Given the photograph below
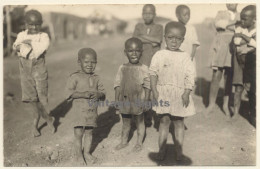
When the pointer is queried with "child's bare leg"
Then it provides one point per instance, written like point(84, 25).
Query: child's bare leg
point(228, 91)
point(237, 100)
point(78, 135)
point(87, 145)
point(36, 117)
point(45, 115)
point(163, 134)
point(179, 136)
point(125, 132)
point(140, 132)
point(214, 86)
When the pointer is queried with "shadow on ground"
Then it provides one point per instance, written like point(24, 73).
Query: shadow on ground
point(60, 111)
point(105, 122)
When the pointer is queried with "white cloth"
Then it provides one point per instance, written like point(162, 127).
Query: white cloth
point(175, 73)
point(244, 48)
point(39, 43)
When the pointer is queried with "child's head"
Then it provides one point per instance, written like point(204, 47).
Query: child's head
point(148, 13)
point(174, 35)
point(133, 50)
point(33, 20)
point(87, 59)
point(183, 13)
point(232, 7)
point(248, 16)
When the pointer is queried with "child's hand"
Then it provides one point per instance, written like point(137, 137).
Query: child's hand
point(185, 99)
point(27, 41)
point(88, 95)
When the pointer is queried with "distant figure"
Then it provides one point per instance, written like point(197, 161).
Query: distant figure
point(245, 60)
point(149, 33)
point(221, 55)
point(172, 80)
point(31, 46)
point(132, 91)
point(190, 43)
point(85, 89)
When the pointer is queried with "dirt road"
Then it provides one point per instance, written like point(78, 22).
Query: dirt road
point(211, 140)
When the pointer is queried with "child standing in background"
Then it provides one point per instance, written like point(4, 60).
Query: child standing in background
point(172, 80)
point(132, 90)
point(149, 33)
point(190, 43)
point(245, 61)
point(222, 56)
point(84, 88)
point(31, 46)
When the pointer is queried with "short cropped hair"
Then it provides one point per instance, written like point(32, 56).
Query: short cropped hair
point(35, 13)
point(251, 8)
point(179, 8)
point(82, 53)
point(135, 40)
point(151, 6)
point(174, 24)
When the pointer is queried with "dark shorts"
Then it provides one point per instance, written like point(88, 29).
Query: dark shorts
point(34, 80)
point(170, 116)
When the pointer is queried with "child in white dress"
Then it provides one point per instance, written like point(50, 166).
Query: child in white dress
point(172, 79)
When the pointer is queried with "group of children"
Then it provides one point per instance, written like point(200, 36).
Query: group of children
point(233, 53)
point(168, 74)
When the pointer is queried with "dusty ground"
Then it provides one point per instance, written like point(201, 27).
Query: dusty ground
point(209, 140)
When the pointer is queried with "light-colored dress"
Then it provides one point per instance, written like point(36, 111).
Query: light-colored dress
point(175, 73)
point(152, 30)
point(132, 79)
point(84, 110)
point(220, 48)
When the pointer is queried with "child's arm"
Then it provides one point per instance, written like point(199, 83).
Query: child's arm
point(188, 80)
point(154, 70)
point(153, 87)
point(20, 38)
point(250, 41)
point(82, 95)
point(193, 52)
point(155, 36)
point(100, 94)
point(41, 46)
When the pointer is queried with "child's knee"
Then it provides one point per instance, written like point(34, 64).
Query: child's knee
point(178, 123)
point(78, 132)
point(165, 120)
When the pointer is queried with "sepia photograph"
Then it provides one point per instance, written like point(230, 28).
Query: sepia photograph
point(129, 85)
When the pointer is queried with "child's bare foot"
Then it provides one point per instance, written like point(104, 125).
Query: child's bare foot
point(36, 133)
point(80, 161)
point(90, 159)
point(227, 111)
point(121, 146)
point(209, 109)
point(178, 157)
point(137, 148)
point(51, 125)
point(161, 155)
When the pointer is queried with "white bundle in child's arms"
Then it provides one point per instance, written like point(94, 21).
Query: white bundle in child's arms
point(222, 19)
point(25, 50)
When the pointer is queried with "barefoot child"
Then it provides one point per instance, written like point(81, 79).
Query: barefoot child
point(190, 42)
point(84, 88)
point(132, 88)
point(31, 46)
point(172, 79)
point(221, 57)
point(149, 33)
point(245, 61)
